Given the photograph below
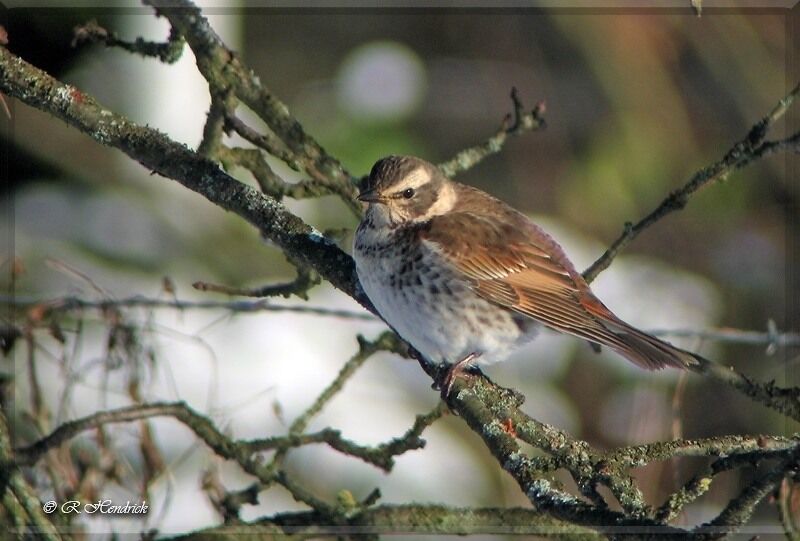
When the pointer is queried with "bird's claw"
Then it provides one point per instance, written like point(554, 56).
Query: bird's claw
point(453, 372)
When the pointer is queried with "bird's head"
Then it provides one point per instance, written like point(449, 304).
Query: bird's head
point(404, 189)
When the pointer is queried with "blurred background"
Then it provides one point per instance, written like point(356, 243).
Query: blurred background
point(637, 101)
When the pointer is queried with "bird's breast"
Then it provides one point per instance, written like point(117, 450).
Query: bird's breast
point(427, 302)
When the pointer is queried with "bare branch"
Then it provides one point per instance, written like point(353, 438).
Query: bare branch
point(265, 141)
point(179, 410)
point(270, 182)
point(772, 339)
point(411, 439)
point(306, 279)
point(751, 148)
point(521, 122)
point(173, 160)
point(223, 69)
point(253, 160)
point(329, 436)
point(739, 510)
point(380, 455)
point(68, 304)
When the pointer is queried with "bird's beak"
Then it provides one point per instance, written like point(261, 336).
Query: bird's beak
point(370, 196)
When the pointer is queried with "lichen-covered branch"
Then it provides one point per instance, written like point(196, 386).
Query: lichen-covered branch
point(222, 69)
point(639, 455)
point(169, 51)
point(784, 400)
point(239, 451)
point(18, 497)
point(740, 509)
point(265, 141)
point(403, 520)
point(173, 160)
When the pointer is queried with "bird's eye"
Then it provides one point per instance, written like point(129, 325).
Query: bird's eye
point(408, 193)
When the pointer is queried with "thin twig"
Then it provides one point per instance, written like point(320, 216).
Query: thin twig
point(223, 69)
point(785, 400)
point(306, 279)
point(179, 410)
point(221, 104)
point(739, 509)
point(68, 304)
point(517, 124)
point(387, 341)
point(411, 439)
point(772, 338)
point(168, 52)
point(265, 141)
point(333, 438)
point(270, 182)
point(380, 455)
point(750, 148)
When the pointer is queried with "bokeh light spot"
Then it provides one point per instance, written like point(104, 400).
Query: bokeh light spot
point(381, 81)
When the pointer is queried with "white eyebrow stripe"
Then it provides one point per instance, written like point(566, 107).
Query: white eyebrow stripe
point(416, 178)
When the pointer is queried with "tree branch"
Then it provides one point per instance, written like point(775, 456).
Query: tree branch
point(19, 499)
point(265, 141)
point(403, 519)
point(739, 510)
point(749, 149)
point(71, 303)
point(173, 160)
point(773, 339)
point(521, 122)
point(306, 279)
point(168, 52)
point(222, 69)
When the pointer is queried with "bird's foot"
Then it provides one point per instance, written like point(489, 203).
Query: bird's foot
point(453, 372)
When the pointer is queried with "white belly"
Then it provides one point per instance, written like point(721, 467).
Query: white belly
point(431, 308)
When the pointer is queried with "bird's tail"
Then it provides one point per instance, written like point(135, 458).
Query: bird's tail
point(648, 351)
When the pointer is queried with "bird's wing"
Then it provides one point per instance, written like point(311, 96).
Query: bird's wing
point(513, 263)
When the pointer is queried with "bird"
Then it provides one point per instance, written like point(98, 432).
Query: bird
point(466, 279)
